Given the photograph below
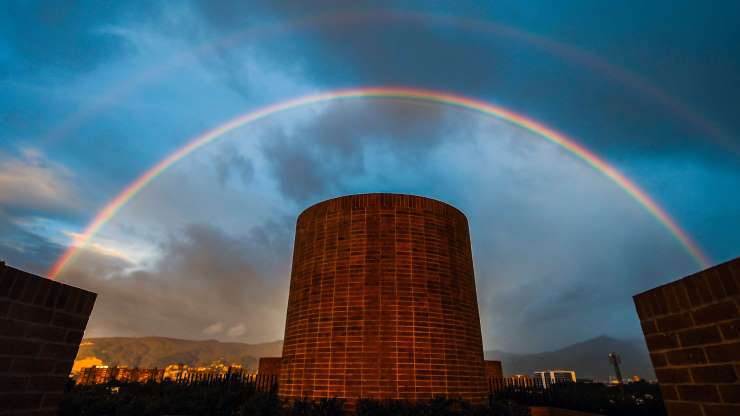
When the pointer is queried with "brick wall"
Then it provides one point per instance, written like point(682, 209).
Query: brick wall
point(41, 326)
point(692, 329)
point(382, 303)
point(269, 366)
point(493, 369)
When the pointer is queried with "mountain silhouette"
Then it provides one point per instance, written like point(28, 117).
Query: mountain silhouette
point(160, 351)
point(588, 359)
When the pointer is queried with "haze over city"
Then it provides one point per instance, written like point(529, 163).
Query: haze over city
point(594, 151)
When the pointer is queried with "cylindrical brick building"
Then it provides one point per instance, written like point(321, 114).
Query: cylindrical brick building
point(382, 303)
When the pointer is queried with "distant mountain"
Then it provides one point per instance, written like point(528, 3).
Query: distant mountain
point(158, 351)
point(588, 359)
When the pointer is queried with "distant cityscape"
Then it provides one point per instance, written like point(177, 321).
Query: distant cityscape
point(102, 374)
point(270, 366)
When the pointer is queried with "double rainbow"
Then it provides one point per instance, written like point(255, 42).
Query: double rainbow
point(422, 95)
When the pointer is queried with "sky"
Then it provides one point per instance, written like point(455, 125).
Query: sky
point(94, 94)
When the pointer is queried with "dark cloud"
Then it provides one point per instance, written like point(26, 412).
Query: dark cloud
point(325, 153)
point(465, 49)
point(61, 36)
point(229, 163)
point(300, 174)
point(35, 192)
point(227, 15)
point(206, 283)
point(555, 264)
point(338, 43)
point(33, 185)
point(24, 249)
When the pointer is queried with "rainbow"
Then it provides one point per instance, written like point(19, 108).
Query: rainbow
point(423, 95)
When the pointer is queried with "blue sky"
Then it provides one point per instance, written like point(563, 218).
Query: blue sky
point(93, 94)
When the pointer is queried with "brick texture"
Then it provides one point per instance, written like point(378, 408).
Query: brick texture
point(493, 369)
point(269, 366)
point(692, 329)
point(41, 325)
point(382, 303)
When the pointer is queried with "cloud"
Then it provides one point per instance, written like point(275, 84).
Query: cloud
point(463, 48)
point(31, 183)
point(237, 330)
point(61, 36)
point(326, 152)
point(100, 248)
point(336, 42)
point(214, 329)
point(36, 195)
point(555, 243)
point(205, 281)
point(25, 249)
point(229, 162)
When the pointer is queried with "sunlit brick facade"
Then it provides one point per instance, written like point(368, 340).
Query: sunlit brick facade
point(382, 302)
point(269, 366)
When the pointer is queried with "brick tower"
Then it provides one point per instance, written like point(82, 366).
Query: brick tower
point(382, 303)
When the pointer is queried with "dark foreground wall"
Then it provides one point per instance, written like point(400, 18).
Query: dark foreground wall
point(554, 411)
point(382, 303)
point(41, 326)
point(692, 329)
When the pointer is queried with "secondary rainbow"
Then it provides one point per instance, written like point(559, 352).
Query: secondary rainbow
point(413, 94)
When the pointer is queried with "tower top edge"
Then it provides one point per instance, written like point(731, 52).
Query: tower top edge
point(383, 200)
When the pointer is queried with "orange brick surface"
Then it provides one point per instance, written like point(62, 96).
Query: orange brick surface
point(382, 302)
point(269, 366)
point(691, 329)
point(493, 369)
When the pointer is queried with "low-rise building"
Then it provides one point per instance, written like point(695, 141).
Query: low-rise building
point(99, 374)
point(102, 374)
point(546, 378)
